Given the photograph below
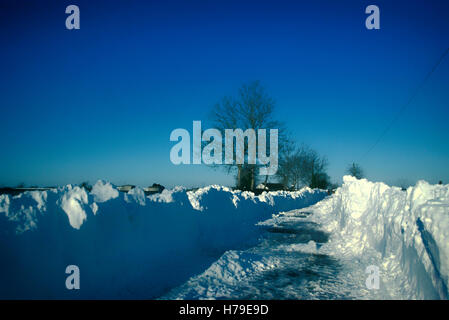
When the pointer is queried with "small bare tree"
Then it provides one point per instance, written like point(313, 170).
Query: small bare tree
point(303, 166)
point(355, 170)
point(86, 186)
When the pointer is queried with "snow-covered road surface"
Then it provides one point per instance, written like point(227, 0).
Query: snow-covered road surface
point(286, 264)
point(323, 251)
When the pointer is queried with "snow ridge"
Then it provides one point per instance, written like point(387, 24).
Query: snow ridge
point(127, 245)
point(405, 233)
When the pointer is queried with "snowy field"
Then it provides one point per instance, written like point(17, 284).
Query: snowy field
point(215, 243)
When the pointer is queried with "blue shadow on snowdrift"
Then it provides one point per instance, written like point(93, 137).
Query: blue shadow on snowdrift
point(127, 249)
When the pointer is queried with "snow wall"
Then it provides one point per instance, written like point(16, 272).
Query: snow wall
point(404, 233)
point(126, 245)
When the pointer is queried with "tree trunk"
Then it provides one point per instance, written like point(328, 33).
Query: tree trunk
point(252, 178)
point(312, 183)
point(239, 177)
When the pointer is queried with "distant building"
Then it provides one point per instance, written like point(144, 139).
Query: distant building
point(269, 187)
point(16, 191)
point(155, 188)
point(125, 188)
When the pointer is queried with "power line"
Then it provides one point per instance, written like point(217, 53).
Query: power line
point(407, 103)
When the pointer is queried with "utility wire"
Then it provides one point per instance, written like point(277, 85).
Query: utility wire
point(407, 103)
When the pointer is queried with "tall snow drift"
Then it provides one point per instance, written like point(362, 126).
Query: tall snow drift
point(125, 245)
point(404, 233)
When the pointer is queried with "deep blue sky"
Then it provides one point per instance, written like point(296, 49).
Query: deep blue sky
point(100, 102)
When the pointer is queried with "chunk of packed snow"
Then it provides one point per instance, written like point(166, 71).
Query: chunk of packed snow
point(136, 195)
point(23, 210)
point(94, 207)
point(166, 195)
point(72, 202)
point(103, 191)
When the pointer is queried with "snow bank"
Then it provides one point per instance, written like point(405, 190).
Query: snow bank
point(72, 202)
point(404, 233)
point(125, 245)
point(103, 192)
point(224, 276)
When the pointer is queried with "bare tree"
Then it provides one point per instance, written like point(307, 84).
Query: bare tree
point(252, 108)
point(355, 170)
point(288, 168)
point(86, 186)
point(303, 166)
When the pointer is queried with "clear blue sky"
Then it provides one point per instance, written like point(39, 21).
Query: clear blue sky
point(100, 102)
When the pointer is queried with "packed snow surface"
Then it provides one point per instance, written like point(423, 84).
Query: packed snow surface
point(322, 252)
point(126, 245)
